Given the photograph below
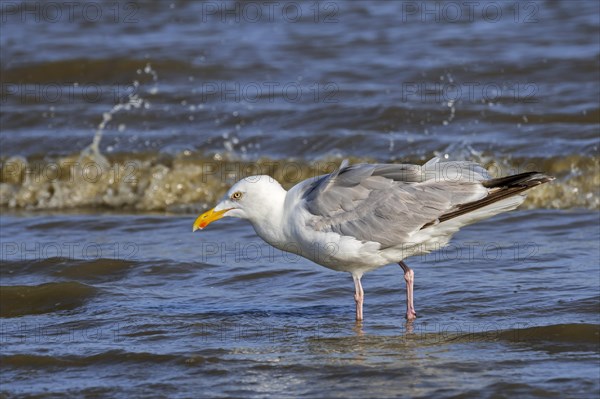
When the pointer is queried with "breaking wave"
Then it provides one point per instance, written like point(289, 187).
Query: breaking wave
point(188, 181)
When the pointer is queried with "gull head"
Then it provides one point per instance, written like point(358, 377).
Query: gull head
point(249, 198)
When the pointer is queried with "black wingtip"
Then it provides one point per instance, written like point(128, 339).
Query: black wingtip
point(500, 189)
point(526, 180)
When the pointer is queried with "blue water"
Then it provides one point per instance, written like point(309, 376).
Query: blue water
point(104, 290)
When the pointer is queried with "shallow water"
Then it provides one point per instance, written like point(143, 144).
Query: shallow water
point(505, 310)
point(104, 291)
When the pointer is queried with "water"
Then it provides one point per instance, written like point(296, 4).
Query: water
point(106, 293)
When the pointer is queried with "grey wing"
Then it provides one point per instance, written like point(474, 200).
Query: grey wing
point(386, 203)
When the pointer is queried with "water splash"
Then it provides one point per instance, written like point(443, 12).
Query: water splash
point(87, 178)
point(134, 101)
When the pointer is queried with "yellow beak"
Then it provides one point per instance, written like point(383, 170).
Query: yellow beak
point(207, 218)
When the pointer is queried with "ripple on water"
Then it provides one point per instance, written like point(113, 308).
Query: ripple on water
point(21, 300)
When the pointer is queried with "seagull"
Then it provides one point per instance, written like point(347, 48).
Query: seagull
point(365, 216)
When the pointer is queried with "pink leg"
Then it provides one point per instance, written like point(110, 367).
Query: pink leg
point(358, 297)
point(409, 277)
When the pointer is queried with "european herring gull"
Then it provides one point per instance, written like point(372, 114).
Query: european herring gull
point(365, 216)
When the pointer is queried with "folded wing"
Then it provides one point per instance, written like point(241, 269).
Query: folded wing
point(387, 203)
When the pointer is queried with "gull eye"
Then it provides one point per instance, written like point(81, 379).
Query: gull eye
point(236, 196)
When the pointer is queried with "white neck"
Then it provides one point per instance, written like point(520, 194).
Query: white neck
point(269, 224)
